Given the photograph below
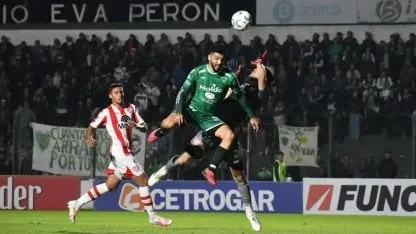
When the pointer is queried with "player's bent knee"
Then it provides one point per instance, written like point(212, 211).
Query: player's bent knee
point(228, 137)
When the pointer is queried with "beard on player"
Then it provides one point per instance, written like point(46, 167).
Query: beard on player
point(216, 61)
point(216, 57)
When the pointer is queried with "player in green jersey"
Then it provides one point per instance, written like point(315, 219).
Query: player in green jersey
point(205, 87)
point(232, 114)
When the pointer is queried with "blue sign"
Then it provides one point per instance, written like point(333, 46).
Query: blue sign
point(267, 197)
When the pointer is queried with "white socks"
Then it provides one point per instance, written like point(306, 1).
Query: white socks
point(146, 200)
point(93, 194)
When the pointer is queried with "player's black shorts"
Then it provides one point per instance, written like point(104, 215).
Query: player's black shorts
point(233, 158)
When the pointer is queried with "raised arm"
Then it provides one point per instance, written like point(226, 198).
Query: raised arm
point(241, 98)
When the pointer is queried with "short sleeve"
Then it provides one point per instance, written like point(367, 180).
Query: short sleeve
point(100, 120)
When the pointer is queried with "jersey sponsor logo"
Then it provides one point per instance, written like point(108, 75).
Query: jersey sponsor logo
point(212, 89)
point(209, 95)
point(125, 122)
point(125, 118)
point(130, 198)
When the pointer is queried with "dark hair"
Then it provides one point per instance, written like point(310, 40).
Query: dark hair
point(218, 48)
point(279, 153)
point(113, 86)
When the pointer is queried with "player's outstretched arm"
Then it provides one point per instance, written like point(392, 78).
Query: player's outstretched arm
point(262, 73)
point(259, 73)
point(187, 88)
point(241, 98)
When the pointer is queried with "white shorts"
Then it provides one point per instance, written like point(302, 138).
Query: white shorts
point(124, 167)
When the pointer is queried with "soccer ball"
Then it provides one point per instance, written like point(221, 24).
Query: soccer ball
point(241, 20)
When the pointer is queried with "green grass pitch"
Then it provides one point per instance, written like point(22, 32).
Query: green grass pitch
point(24, 222)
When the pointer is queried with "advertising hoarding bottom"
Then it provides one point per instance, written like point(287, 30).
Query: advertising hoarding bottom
point(37, 192)
point(387, 197)
point(199, 196)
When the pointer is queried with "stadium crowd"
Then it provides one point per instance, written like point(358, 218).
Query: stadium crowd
point(367, 86)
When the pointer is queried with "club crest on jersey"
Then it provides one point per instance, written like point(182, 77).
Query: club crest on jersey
point(125, 122)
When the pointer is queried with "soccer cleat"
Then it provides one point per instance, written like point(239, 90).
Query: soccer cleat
point(73, 210)
point(210, 177)
point(157, 176)
point(254, 222)
point(153, 135)
point(160, 221)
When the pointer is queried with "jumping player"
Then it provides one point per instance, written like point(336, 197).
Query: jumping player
point(205, 87)
point(119, 119)
point(203, 143)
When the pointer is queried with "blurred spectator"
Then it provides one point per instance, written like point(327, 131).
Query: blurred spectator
point(279, 168)
point(369, 169)
point(5, 118)
point(264, 174)
point(141, 99)
point(387, 167)
point(120, 73)
point(367, 87)
point(5, 157)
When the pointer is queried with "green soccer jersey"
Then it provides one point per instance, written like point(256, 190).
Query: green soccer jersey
point(208, 89)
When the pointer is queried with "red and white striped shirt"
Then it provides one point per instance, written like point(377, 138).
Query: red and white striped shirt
point(119, 123)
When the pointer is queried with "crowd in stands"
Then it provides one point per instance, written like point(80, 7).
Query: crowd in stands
point(366, 86)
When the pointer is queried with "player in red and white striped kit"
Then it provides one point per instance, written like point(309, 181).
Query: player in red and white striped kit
point(119, 119)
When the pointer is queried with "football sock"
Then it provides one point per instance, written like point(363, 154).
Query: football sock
point(146, 200)
point(171, 163)
point(217, 157)
point(93, 194)
point(244, 190)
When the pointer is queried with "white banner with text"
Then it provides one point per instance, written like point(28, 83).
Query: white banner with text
point(299, 144)
point(64, 150)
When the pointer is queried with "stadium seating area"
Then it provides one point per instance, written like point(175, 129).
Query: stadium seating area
point(367, 86)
